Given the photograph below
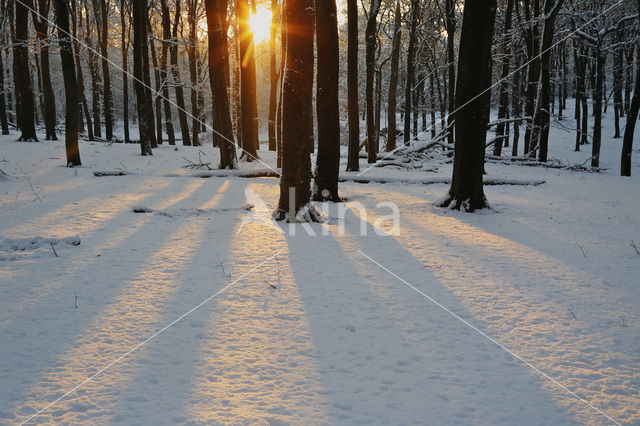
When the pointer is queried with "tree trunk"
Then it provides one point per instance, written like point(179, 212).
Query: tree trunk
point(41, 25)
point(533, 71)
point(393, 81)
point(274, 76)
point(353, 161)
point(248, 103)
point(451, 64)
point(297, 124)
point(503, 108)
point(328, 118)
point(598, 92)
point(80, 77)
point(408, 89)
point(516, 106)
point(370, 39)
point(540, 132)
point(106, 76)
point(177, 80)
point(632, 119)
point(3, 104)
point(164, 75)
point(192, 52)
point(145, 117)
point(617, 89)
point(70, 84)
point(22, 75)
point(474, 79)
point(219, 80)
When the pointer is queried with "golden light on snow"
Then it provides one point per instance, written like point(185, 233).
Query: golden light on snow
point(260, 24)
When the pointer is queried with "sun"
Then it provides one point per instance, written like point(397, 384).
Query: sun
point(260, 24)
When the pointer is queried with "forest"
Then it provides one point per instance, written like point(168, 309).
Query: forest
point(319, 211)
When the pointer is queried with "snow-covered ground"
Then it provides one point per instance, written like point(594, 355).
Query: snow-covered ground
point(194, 309)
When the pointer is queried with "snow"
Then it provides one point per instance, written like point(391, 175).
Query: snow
point(199, 309)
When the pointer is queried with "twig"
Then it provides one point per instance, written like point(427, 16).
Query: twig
point(53, 248)
point(635, 247)
point(273, 286)
point(31, 185)
point(584, 253)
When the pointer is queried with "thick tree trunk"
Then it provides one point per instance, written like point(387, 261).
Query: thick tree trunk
point(219, 81)
point(164, 75)
point(177, 80)
point(297, 124)
point(248, 102)
point(145, 117)
point(370, 55)
point(273, 76)
point(353, 161)
point(632, 119)
point(328, 118)
point(106, 76)
point(474, 79)
point(70, 84)
point(392, 102)
point(22, 75)
point(408, 89)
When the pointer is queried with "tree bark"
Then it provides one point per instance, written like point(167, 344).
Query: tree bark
point(473, 80)
point(80, 77)
point(393, 81)
point(3, 104)
point(408, 89)
point(22, 76)
point(370, 54)
point(597, 105)
point(145, 117)
point(70, 84)
point(327, 109)
point(632, 119)
point(106, 76)
point(192, 52)
point(41, 25)
point(297, 117)
point(177, 80)
point(353, 161)
point(273, 76)
point(219, 80)
point(451, 64)
point(164, 75)
point(503, 108)
point(249, 109)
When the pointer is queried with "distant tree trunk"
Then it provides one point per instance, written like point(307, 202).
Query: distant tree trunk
point(628, 77)
point(192, 52)
point(353, 161)
point(80, 77)
point(297, 124)
point(145, 116)
point(540, 132)
point(451, 64)
point(164, 75)
point(474, 79)
point(617, 89)
point(125, 83)
point(155, 98)
point(95, 76)
point(70, 84)
point(248, 103)
point(3, 105)
point(106, 77)
point(177, 80)
point(516, 106)
point(370, 38)
point(432, 104)
point(22, 75)
point(632, 119)
point(503, 108)
point(408, 89)
point(393, 80)
point(41, 25)
point(533, 70)
point(219, 80)
point(147, 84)
point(598, 92)
point(328, 117)
point(273, 76)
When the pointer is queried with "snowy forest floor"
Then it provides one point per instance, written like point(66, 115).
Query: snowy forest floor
point(308, 329)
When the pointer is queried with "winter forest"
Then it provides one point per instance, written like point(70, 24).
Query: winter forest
point(319, 211)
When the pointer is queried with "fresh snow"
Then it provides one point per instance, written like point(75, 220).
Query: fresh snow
point(172, 297)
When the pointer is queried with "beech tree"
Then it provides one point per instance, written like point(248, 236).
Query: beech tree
point(472, 104)
point(22, 75)
point(353, 161)
point(145, 115)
